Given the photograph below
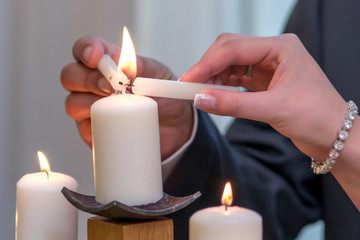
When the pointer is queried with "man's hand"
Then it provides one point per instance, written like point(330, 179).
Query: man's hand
point(86, 85)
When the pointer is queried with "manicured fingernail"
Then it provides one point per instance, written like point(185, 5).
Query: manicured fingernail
point(87, 53)
point(181, 77)
point(104, 85)
point(204, 101)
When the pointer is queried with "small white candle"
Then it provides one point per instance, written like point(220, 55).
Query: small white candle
point(126, 150)
point(225, 222)
point(42, 212)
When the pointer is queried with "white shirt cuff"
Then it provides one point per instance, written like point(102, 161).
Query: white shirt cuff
point(170, 163)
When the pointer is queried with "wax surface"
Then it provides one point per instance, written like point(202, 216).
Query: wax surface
point(217, 224)
point(126, 150)
point(42, 211)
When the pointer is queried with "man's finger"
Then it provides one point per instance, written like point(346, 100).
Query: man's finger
point(90, 49)
point(78, 105)
point(84, 127)
point(75, 77)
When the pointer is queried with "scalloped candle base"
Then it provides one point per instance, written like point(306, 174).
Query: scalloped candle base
point(116, 210)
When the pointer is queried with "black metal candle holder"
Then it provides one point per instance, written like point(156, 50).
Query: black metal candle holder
point(116, 210)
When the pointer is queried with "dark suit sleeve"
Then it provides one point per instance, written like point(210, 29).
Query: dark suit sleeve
point(267, 172)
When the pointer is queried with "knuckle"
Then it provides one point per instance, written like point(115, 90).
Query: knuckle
point(229, 43)
point(289, 42)
point(235, 105)
point(91, 80)
point(291, 36)
point(64, 75)
point(70, 106)
point(82, 42)
point(290, 39)
point(69, 75)
point(88, 39)
point(224, 37)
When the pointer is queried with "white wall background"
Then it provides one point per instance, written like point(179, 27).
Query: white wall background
point(36, 41)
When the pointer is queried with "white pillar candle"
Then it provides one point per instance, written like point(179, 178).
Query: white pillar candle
point(126, 150)
point(126, 138)
point(42, 212)
point(225, 222)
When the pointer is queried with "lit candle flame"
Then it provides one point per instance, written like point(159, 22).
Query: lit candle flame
point(227, 197)
point(44, 163)
point(127, 60)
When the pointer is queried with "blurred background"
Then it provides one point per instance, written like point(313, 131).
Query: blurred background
point(36, 42)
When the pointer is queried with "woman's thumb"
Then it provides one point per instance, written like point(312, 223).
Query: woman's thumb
point(251, 105)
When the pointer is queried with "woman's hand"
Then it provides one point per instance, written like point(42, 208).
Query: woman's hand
point(290, 91)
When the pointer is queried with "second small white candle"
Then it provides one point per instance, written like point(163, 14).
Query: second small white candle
point(235, 223)
point(226, 222)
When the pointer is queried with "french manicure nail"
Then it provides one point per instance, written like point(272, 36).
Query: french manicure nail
point(181, 77)
point(204, 101)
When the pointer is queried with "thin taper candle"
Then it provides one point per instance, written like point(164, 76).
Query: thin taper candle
point(108, 68)
point(155, 87)
point(173, 89)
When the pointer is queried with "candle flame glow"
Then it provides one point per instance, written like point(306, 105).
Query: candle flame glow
point(44, 163)
point(227, 197)
point(127, 60)
point(16, 222)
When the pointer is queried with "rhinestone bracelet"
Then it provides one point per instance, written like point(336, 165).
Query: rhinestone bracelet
point(325, 167)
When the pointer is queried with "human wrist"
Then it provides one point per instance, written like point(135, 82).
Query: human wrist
point(351, 151)
point(338, 145)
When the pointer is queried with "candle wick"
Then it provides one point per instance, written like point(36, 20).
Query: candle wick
point(129, 88)
point(47, 173)
point(123, 90)
point(226, 207)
